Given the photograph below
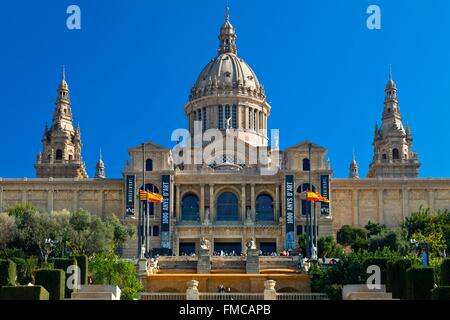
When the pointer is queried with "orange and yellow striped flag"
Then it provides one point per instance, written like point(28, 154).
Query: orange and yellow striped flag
point(150, 196)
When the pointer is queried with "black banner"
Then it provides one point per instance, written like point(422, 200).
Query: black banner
point(165, 213)
point(130, 187)
point(290, 217)
point(325, 192)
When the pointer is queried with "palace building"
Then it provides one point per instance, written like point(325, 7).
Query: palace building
point(233, 193)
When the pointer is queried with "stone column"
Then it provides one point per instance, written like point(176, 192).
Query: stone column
point(253, 204)
point(177, 204)
point(431, 200)
point(202, 202)
point(243, 203)
point(405, 202)
point(355, 207)
point(100, 203)
point(277, 204)
point(381, 206)
point(75, 200)
point(1, 199)
point(252, 261)
point(192, 290)
point(50, 200)
point(269, 290)
point(204, 261)
point(211, 202)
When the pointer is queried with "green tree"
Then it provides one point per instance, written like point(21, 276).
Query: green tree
point(349, 236)
point(394, 239)
point(8, 229)
point(327, 247)
point(108, 268)
point(374, 229)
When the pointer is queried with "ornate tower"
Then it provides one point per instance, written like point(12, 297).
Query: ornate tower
point(61, 143)
point(100, 168)
point(354, 172)
point(393, 156)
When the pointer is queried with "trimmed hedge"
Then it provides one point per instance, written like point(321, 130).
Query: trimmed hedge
point(420, 282)
point(82, 262)
point(378, 261)
point(23, 293)
point(445, 272)
point(441, 293)
point(8, 273)
point(54, 280)
point(396, 277)
point(64, 264)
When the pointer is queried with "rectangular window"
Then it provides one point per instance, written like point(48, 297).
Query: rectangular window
point(155, 231)
point(249, 119)
point(234, 116)
point(254, 120)
point(204, 119)
point(220, 117)
point(199, 115)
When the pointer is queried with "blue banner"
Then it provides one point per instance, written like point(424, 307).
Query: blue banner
point(290, 215)
point(325, 192)
point(165, 213)
point(130, 187)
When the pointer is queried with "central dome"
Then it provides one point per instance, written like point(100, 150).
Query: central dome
point(230, 71)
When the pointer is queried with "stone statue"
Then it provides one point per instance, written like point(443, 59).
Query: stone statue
point(142, 252)
point(228, 123)
point(207, 216)
point(249, 214)
point(251, 244)
point(204, 244)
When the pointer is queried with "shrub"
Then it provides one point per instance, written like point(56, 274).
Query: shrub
point(23, 293)
point(420, 282)
point(64, 264)
point(380, 262)
point(82, 262)
point(8, 273)
point(445, 272)
point(441, 293)
point(396, 277)
point(334, 292)
point(53, 280)
point(128, 294)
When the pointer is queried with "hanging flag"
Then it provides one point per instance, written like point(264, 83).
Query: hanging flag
point(150, 196)
point(313, 196)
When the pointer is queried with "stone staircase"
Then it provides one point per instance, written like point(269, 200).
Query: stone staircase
point(97, 292)
point(362, 292)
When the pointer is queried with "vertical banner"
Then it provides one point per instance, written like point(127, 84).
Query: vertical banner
point(165, 213)
point(130, 187)
point(290, 222)
point(325, 192)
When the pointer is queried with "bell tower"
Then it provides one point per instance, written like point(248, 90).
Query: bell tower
point(61, 143)
point(393, 156)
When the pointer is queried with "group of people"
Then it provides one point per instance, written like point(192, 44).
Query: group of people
point(222, 253)
point(284, 253)
point(221, 289)
point(184, 254)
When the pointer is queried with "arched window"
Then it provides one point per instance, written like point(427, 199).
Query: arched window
point(190, 208)
point(395, 154)
point(305, 204)
point(227, 207)
point(306, 165)
point(264, 208)
point(59, 154)
point(149, 165)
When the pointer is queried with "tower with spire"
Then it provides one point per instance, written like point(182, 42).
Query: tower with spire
point(100, 168)
point(354, 171)
point(393, 156)
point(61, 143)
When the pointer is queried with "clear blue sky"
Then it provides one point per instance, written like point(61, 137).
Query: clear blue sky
point(133, 63)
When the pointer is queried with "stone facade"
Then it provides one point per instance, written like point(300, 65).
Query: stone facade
point(226, 199)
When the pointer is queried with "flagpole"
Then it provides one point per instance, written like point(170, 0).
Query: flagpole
point(310, 204)
point(144, 236)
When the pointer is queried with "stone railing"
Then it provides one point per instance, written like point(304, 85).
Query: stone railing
point(302, 296)
point(162, 296)
point(231, 296)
